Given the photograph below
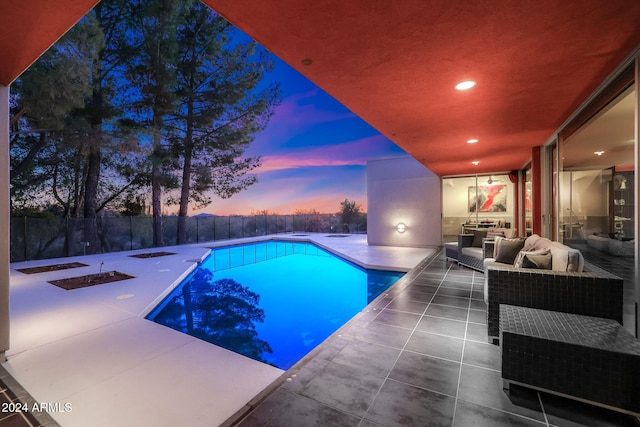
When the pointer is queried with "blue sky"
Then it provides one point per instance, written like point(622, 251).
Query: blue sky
point(314, 153)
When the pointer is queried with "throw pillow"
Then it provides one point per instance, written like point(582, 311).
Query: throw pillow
point(478, 235)
point(524, 252)
point(541, 261)
point(506, 250)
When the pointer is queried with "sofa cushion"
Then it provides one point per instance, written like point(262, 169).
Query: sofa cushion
point(565, 258)
point(472, 252)
point(506, 250)
point(478, 235)
point(537, 259)
point(531, 242)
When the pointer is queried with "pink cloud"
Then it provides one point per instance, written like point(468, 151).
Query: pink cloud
point(349, 153)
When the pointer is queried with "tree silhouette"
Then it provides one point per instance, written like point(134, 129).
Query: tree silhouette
point(222, 312)
point(349, 213)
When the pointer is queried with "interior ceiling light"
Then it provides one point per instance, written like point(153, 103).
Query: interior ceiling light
point(472, 141)
point(467, 84)
point(475, 162)
point(598, 153)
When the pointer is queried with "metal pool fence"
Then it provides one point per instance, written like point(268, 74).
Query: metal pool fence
point(42, 238)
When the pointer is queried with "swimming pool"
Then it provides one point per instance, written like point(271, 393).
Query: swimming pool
point(272, 301)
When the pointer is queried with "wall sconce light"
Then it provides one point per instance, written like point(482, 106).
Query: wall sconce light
point(401, 228)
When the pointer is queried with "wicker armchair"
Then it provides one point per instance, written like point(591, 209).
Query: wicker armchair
point(593, 292)
point(471, 256)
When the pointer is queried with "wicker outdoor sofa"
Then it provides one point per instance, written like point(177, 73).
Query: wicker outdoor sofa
point(472, 249)
point(587, 290)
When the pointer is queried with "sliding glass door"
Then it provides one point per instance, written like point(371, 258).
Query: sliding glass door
point(595, 200)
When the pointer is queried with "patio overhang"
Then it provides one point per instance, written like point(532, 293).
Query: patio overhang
point(395, 63)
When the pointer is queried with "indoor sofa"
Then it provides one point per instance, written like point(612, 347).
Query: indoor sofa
point(612, 244)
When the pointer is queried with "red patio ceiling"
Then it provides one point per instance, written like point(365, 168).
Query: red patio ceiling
point(394, 63)
point(29, 27)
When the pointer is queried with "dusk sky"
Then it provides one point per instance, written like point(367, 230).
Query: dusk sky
point(314, 153)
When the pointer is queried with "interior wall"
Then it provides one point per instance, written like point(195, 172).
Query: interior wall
point(402, 190)
point(455, 208)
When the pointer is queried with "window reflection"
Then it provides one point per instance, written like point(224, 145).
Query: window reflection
point(596, 176)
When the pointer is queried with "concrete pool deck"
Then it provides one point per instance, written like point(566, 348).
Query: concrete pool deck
point(93, 349)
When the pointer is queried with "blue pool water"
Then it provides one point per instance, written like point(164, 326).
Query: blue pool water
point(272, 301)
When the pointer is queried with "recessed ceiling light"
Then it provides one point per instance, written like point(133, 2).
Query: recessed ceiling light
point(467, 84)
point(598, 153)
point(475, 162)
point(472, 141)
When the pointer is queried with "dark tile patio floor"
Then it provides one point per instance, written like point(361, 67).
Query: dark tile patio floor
point(418, 357)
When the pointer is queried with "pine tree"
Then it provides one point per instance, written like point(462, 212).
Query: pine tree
point(220, 109)
point(153, 73)
point(45, 99)
point(70, 96)
point(101, 107)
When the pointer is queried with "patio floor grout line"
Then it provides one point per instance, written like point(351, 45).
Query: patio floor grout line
point(546, 420)
point(386, 378)
point(504, 411)
point(464, 343)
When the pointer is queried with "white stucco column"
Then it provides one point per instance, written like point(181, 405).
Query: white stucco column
point(4, 221)
point(402, 191)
